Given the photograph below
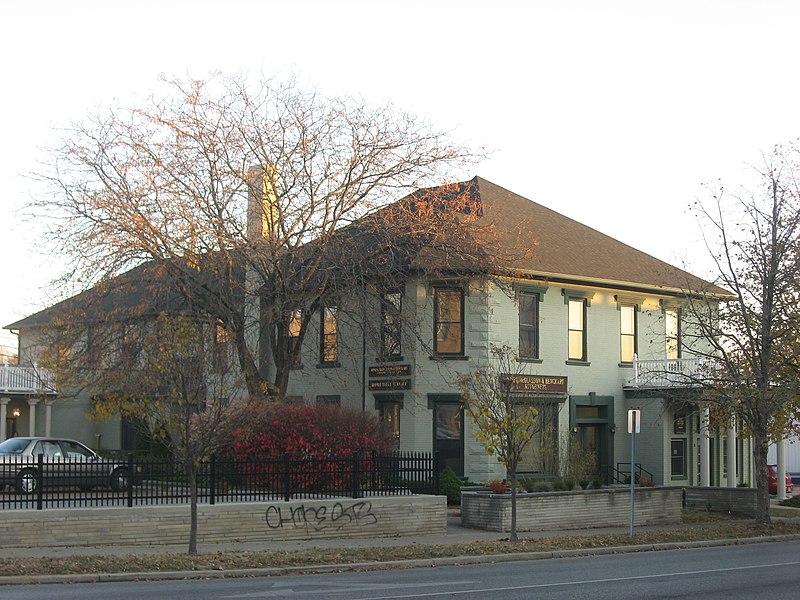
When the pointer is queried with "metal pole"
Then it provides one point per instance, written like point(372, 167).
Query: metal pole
point(633, 477)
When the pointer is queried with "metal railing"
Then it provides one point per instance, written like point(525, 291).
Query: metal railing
point(623, 471)
point(26, 380)
point(668, 372)
point(41, 482)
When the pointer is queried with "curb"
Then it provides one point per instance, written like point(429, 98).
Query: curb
point(384, 565)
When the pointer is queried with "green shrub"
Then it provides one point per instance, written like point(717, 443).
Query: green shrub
point(596, 484)
point(450, 486)
point(793, 502)
point(569, 484)
point(542, 486)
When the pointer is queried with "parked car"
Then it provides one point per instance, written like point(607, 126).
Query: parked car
point(773, 480)
point(64, 463)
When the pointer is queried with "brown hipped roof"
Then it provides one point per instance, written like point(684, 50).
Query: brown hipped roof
point(564, 250)
point(534, 241)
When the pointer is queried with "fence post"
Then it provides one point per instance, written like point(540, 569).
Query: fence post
point(356, 473)
point(213, 483)
point(287, 479)
point(130, 480)
point(436, 472)
point(39, 481)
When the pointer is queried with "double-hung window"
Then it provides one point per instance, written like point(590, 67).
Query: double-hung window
point(448, 321)
point(627, 332)
point(329, 336)
point(528, 325)
point(293, 331)
point(673, 333)
point(577, 329)
point(391, 329)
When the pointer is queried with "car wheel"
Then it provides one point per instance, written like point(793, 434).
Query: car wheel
point(119, 479)
point(26, 481)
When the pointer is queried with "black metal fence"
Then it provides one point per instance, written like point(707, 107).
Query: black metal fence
point(56, 483)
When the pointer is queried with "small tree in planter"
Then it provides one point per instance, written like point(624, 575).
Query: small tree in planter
point(503, 423)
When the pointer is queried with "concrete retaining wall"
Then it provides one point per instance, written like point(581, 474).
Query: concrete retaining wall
point(246, 522)
point(740, 501)
point(571, 510)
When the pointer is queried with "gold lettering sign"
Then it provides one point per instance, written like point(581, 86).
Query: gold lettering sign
point(390, 384)
point(550, 384)
point(390, 371)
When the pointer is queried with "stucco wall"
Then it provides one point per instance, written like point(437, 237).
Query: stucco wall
point(246, 522)
point(571, 510)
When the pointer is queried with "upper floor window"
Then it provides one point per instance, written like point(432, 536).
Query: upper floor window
point(329, 336)
point(672, 317)
point(528, 325)
point(448, 321)
point(293, 333)
point(391, 328)
point(577, 329)
point(627, 332)
point(223, 339)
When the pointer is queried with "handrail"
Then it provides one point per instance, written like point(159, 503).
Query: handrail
point(668, 371)
point(638, 471)
point(26, 380)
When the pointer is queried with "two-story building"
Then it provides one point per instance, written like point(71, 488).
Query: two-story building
point(597, 328)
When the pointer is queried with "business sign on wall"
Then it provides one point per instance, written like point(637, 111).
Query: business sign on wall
point(542, 384)
point(390, 377)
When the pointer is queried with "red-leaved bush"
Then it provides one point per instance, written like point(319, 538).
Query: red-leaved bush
point(322, 435)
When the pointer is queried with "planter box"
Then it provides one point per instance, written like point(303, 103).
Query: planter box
point(572, 510)
point(245, 522)
point(740, 501)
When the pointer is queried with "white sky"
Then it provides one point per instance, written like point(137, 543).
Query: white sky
point(611, 112)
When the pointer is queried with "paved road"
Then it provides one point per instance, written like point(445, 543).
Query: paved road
point(729, 573)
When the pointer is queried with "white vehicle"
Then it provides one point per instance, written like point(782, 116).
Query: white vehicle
point(64, 463)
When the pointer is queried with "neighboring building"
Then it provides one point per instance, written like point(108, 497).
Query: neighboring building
point(597, 326)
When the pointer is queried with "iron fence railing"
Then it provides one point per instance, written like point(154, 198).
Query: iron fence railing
point(41, 482)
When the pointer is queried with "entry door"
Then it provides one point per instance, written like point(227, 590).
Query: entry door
point(591, 442)
point(448, 435)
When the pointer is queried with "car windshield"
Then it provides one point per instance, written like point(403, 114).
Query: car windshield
point(14, 446)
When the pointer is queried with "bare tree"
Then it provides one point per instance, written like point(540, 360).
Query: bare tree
point(751, 336)
point(169, 375)
point(242, 192)
point(504, 423)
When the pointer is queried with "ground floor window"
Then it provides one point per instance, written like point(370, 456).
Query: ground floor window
point(678, 458)
point(541, 455)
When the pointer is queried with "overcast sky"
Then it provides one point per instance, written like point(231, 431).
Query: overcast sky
point(612, 113)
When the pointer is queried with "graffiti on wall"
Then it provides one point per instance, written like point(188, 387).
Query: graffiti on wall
point(333, 517)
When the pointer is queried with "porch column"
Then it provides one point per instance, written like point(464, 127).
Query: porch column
point(48, 414)
point(705, 450)
point(3, 416)
point(32, 402)
point(781, 468)
point(732, 481)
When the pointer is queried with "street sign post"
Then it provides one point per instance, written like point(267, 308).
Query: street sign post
point(634, 426)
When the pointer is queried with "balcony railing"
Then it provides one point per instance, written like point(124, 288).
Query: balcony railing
point(26, 380)
point(668, 372)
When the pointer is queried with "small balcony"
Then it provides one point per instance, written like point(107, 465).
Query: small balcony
point(668, 372)
point(26, 380)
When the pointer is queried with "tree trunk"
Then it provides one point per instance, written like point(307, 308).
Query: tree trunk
point(513, 537)
point(760, 447)
point(192, 476)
